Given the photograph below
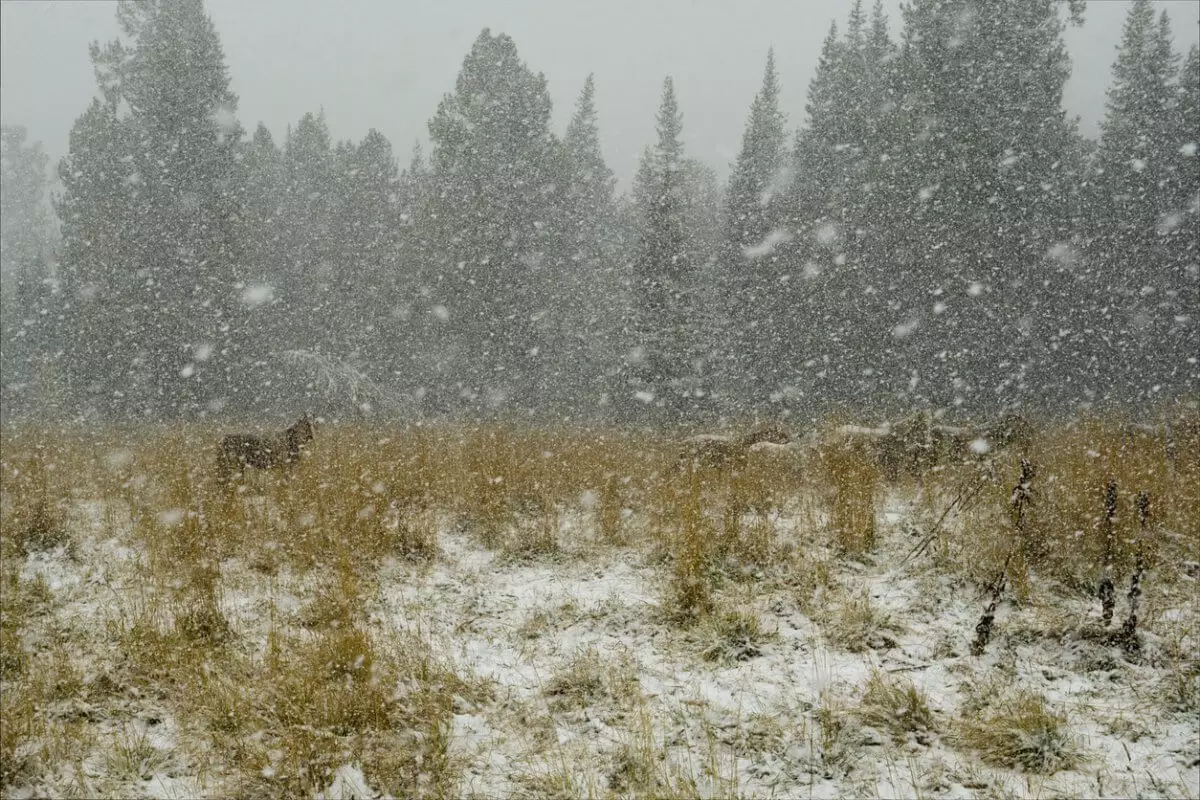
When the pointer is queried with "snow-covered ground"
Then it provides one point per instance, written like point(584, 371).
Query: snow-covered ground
point(593, 690)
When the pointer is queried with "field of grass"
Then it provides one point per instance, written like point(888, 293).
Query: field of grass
point(498, 612)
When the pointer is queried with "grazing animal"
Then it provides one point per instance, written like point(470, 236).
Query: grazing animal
point(906, 447)
point(958, 444)
point(1011, 430)
point(916, 444)
point(1183, 442)
point(719, 453)
point(241, 450)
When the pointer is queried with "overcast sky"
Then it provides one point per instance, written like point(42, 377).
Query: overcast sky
point(385, 64)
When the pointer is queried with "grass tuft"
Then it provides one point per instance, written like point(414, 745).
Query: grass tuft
point(31, 516)
point(731, 636)
point(1021, 732)
point(856, 624)
point(851, 469)
point(589, 680)
point(896, 706)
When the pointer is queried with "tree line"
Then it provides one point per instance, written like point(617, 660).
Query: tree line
point(935, 233)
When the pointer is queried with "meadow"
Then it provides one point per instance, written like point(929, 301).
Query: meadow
point(514, 611)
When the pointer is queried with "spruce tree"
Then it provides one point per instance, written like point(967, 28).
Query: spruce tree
point(750, 257)
point(29, 306)
point(366, 234)
point(1135, 191)
point(589, 299)
point(497, 170)
point(263, 201)
point(153, 170)
point(267, 249)
point(410, 320)
point(809, 350)
point(983, 96)
point(1183, 221)
point(310, 272)
point(664, 377)
point(591, 182)
point(102, 292)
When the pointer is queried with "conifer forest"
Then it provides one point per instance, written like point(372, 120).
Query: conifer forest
point(842, 441)
point(929, 231)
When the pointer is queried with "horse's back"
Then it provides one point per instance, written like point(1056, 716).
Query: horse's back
point(239, 450)
point(239, 443)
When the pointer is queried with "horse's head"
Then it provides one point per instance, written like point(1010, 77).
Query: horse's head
point(773, 432)
point(302, 431)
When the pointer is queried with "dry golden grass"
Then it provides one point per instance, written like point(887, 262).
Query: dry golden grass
point(591, 679)
point(1020, 731)
point(896, 706)
point(856, 623)
point(730, 635)
point(850, 468)
point(1063, 535)
point(693, 547)
point(277, 719)
point(32, 496)
point(281, 722)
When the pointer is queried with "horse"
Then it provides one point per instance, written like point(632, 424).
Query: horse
point(718, 453)
point(241, 450)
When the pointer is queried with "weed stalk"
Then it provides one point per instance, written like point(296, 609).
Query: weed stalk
point(1022, 498)
point(1128, 637)
point(1108, 592)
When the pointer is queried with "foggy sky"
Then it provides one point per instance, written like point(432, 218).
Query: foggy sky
point(386, 64)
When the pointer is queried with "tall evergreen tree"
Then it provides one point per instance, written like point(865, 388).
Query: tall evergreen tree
point(1183, 222)
point(984, 89)
point(496, 175)
point(263, 202)
point(28, 303)
point(830, 346)
point(1147, 336)
point(366, 233)
point(267, 250)
point(668, 361)
point(102, 293)
point(589, 301)
point(750, 258)
point(591, 183)
point(163, 142)
point(309, 277)
point(813, 356)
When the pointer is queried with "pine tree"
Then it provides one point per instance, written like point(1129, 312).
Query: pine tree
point(1187, 131)
point(666, 260)
point(809, 351)
point(1135, 195)
point(309, 270)
point(1183, 222)
point(366, 233)
point(983, 96)
point(267, 247)
point(750, 258)
point(591, 183)
point(878, 200)
point(263, 203)
point(834, 344)
point(28, 304)
point(103, 350)
point(497, 171)
point(162, 143)
point(589, 300)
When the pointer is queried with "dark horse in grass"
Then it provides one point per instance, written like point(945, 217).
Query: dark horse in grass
point(241, 450)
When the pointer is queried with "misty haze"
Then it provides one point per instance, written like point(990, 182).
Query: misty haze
point(625, 400)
